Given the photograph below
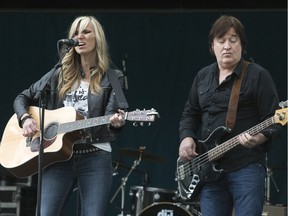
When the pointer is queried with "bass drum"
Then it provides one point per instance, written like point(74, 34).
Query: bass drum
point(165, 209)
point(145, 196)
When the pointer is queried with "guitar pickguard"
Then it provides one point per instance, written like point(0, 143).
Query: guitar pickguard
point(191, 175)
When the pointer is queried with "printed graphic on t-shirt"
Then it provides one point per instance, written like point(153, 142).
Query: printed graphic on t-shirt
point(78, 99)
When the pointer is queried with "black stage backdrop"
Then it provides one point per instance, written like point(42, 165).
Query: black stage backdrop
point(163, 50)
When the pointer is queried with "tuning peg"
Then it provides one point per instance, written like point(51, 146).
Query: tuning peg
point(153, 112)
point(135, 124)
point(141, 124)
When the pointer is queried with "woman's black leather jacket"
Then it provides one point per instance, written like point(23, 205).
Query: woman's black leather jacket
point(98, 105)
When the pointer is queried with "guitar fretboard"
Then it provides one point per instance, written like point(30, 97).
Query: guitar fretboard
point(84, 123)
point(219, 150)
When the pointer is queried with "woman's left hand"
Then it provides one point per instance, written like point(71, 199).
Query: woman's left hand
point(117, 120)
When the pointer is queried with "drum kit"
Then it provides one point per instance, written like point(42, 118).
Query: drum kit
point(149, 201)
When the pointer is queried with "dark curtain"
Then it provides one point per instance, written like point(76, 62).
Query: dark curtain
point(163, 50)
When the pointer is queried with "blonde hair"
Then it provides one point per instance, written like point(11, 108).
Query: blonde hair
point(71, 65)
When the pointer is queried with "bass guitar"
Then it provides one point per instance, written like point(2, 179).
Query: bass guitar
point(62, 128)
point(193, 174)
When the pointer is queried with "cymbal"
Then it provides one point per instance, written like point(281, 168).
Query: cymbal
point(136, 153)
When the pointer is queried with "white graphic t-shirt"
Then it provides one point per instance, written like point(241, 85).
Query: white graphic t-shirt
point(78, 99)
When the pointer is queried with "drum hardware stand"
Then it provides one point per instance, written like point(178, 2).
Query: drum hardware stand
point(123, 185)
point(270, 175)
point(267, 182)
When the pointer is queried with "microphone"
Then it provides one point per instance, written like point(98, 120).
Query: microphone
point(69, 42)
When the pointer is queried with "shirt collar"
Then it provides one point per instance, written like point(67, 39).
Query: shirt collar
point(238, 68)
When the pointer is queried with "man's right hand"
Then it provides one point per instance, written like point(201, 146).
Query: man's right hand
point(187, 149)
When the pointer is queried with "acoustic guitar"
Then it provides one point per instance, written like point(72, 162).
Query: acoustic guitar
point(62, 128)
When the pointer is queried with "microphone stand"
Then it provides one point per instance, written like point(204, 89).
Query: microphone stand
point(41, 95)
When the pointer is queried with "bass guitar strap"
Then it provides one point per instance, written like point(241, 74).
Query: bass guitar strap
point(233, 103)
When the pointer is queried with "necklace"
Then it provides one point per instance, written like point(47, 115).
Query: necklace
point(91, 70)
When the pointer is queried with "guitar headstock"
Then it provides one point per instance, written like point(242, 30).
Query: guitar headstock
point(281, 116)
point(142, 115)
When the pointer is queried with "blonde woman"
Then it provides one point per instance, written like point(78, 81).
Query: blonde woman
point(80, 82)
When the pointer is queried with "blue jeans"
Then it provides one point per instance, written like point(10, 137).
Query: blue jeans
point(90, 173)
point(242, 190)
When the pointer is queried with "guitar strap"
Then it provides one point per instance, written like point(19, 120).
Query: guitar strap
point(233, 103)
point(117, 88)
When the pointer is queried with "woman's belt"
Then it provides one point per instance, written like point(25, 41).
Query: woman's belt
point(84, 149)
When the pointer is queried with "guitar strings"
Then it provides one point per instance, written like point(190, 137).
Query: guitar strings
point(219, 149)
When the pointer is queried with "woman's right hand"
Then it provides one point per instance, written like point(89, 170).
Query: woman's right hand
point(29, 127)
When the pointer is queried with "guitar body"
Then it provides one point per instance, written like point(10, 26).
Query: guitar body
point(19, 154)
point(192, 175)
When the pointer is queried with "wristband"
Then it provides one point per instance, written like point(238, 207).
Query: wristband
point(24, 119)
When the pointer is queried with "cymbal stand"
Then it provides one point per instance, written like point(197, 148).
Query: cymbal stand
point(123, 185)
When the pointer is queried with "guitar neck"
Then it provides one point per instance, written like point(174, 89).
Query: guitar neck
point(84, 123)
point(135, 116)
point(221, 149)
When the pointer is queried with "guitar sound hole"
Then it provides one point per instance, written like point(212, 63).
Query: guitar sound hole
point(51, 130)
point(50, 135)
